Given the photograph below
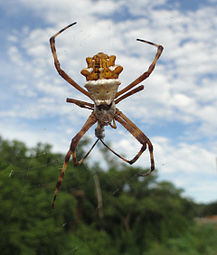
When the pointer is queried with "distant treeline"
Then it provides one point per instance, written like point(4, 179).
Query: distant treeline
point(97, 212)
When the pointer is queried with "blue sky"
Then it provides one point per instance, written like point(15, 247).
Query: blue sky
point(177, 109)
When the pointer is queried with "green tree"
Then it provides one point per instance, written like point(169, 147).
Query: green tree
point(141, 215)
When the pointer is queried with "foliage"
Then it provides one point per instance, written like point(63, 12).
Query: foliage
point(141, 215)
point(208, 209)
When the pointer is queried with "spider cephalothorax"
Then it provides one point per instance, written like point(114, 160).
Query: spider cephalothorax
point(102, 88)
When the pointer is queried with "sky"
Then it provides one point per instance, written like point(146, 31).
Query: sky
point(177, 109)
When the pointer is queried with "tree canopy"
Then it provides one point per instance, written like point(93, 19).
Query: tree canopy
point(138, 215)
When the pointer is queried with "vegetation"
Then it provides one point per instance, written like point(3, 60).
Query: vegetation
point(139, 216)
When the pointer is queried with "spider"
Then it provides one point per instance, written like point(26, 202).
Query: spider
point(102, 88)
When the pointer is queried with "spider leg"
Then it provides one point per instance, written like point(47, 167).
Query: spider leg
point(130, 93)
point(139, 135)
point(145, 74)
point(118, 155)
point(88, 124)
point(80, 103)
point(57, 64)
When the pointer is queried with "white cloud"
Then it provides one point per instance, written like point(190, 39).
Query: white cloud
point(170, 158)
point(65, 11)
point(15, 56)
point(189, 41)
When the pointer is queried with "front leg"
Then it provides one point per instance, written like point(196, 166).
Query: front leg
point(145, 74)
point(57, 63)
